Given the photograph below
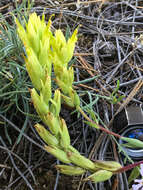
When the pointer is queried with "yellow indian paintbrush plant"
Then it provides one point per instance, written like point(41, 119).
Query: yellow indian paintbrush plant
point(44, 48)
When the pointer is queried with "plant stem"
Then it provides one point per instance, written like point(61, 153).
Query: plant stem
point(129, 167)
point(100, 127)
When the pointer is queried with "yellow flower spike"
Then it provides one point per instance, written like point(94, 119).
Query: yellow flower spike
point(46, 90)
point(52, 122)
point(35, 70)
point(65, 138)
point(55, 107)
point(107, 165)
point(63, 50)
point(81, 161)
point(66, 49)
point(99, 176)
point(70, 170)
point(40, 106)
point(58, 43)
point(36, 32)
point(59, 154)
point(36, 24)
point(46, 135)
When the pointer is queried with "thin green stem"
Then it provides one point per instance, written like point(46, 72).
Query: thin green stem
point(98, 126)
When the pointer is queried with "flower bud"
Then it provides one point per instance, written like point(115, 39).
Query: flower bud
point(81, 161)
point(39, 104)
point(68, 101)
point(46, 135)
point(33, 37)
point(71, 45)
point(52, 122)
point(99, 176)
point(71, 76)
point(67, 76)
point(107, 165)
point(55, 107)
point(35, 70)
point(70, 170)
point(46, 90)
point(75, 98)
point(65, 138)
point(58, 153)
point(135, 143)
point(63, 50)
point(35, 29)
point(72, 149)
point(58, 44)
point(63, 86)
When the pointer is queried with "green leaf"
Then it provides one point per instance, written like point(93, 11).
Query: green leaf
point(92, 124)
point(93, 116)
point(133, 142)
point(134, 174)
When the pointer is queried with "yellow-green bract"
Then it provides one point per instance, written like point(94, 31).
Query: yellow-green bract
point(107, 165)
point(134, 143)
point(70, 170)
point(99, 176)
point(36, 38)
point(46, 135)
point(62, 49)
point(58, 153)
